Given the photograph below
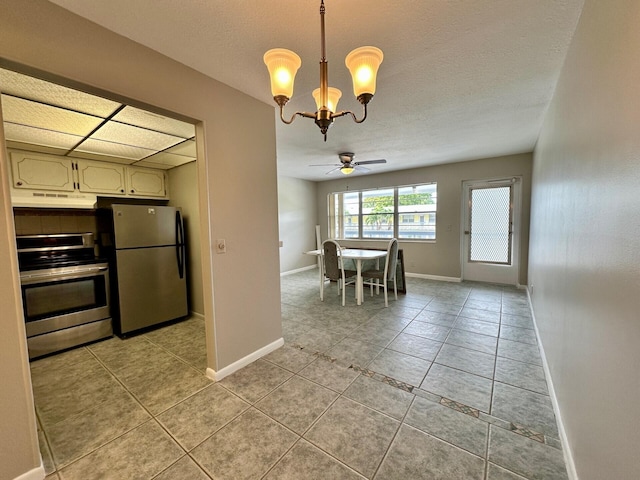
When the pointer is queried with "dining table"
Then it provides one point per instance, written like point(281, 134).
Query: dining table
point(358, 255)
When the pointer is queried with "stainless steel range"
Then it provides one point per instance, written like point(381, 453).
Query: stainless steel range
point(65, 291)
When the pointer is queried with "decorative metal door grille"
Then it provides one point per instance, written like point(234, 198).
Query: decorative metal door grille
point(490, 219)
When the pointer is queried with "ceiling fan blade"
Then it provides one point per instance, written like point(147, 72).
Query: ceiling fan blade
point(325, 165)
point(360, 168)
point(333, 170)
point(370, 162)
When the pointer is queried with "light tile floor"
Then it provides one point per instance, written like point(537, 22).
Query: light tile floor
point(446, 383)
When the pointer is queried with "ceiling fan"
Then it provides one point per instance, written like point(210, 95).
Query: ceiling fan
point(347, 165)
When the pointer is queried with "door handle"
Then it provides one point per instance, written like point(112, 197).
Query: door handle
point(467, 232)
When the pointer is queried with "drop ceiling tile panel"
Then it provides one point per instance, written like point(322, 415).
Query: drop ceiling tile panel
point(153, 121)
point(186, 148)
point(27, 87)
point(113, 149)
point(26, 112)
point(168, 159)
point(102, 158)
point(157, 166)
point(135, 136)
point(38, 136)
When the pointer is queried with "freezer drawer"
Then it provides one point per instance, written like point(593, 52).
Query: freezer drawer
point(150, 289)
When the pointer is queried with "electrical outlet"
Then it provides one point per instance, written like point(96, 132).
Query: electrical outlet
point(221, 246)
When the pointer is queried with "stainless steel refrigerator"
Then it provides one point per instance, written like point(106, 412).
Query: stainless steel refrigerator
point(150, 261)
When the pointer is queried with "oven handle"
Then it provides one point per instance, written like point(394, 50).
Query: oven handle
point(89, 272)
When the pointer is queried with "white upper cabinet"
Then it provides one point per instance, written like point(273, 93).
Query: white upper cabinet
point(146, 182)
point(101, 177)
point(42, 172)
point(37, 171)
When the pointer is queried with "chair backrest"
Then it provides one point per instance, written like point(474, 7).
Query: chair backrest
point(332, 268)
point(392, 259)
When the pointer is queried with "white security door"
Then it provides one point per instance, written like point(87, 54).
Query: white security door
point(491, 231)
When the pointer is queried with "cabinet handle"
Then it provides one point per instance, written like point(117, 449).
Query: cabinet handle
point(19, 183)
point(122, 190)
point(133, 191)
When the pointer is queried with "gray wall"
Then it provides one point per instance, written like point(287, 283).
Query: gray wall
point(585, 241)
point(297, 217)
point(441, 258)
point(81, 54)
point(183, 191)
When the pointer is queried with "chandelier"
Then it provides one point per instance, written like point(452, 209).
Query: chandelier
point(362, 62)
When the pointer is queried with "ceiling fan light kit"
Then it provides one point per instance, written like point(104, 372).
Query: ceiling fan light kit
point(363, 63)
point(347, 166)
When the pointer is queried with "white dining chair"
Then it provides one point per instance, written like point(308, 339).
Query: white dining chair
point(373, 277)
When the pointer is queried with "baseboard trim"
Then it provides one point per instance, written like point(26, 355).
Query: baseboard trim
point(35, 474)
point(298, 270)
point(564, 440)
point(433, 277)
point(197, 315)
point(243, 362)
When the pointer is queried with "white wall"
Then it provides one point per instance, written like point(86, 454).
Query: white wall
point(442, 258)
point(585, 241)
point(183, 191)
point(297, 216)
point(44, 39)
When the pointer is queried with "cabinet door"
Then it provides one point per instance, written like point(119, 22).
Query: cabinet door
point(42, 172)
point(101, 177)
point(146, 182)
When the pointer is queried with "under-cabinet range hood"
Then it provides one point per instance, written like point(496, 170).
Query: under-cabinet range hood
point(52, 200)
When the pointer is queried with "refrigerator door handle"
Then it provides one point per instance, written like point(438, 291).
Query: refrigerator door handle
point(180, 247)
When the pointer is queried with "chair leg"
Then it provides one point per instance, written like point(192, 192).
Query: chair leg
point(386, 299)
point(395, 289)
point(322, 290)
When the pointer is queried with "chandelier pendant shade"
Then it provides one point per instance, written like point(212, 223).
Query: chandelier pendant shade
point(363, 64)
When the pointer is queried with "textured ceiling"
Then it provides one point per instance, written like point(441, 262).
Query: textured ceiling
point(460, 79)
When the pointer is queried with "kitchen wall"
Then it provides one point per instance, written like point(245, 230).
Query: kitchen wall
point(297, 216)
point(584, 272)
point(44, 39)
point(442, 257)
point(183, 190)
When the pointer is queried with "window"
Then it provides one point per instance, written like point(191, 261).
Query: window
point(407, 213)
point(377, 213)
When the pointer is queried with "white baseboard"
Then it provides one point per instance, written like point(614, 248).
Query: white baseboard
point(564, 440)
point(298, 270)
point(35, 474)
point(196, 315)
point(243, 362)
point(433, 277)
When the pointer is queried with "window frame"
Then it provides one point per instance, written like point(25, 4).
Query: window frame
point(336, 217)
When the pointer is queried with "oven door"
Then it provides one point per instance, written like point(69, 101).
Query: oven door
point(63, 299)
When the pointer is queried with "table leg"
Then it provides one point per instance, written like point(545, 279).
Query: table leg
point(359, 286)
